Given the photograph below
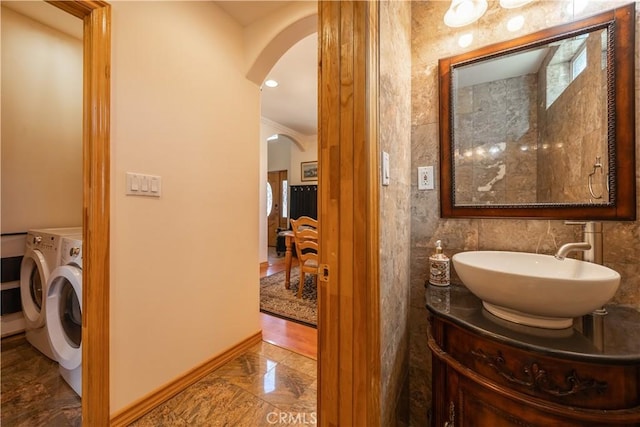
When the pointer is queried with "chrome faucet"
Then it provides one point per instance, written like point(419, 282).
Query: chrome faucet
point(591, 245)
point(593, 323)
point(571, 247)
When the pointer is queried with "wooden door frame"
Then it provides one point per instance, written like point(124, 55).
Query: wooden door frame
point(280, 222)
point(349, 301)
point(96, 17)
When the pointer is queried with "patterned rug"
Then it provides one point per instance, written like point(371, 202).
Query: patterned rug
point(276, 300)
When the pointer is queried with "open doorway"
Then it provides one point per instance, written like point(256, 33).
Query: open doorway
point(289, 128)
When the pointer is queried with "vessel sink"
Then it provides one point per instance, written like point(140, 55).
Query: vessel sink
point(534, 289)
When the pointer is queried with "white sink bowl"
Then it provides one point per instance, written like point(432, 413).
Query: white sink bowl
point(533, 289)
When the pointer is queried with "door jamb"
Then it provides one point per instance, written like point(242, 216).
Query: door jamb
point(96, 17)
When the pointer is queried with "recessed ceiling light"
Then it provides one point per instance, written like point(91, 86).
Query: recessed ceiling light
point(271, 83)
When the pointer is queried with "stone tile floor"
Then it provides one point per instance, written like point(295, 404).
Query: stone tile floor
point(266, 386)
point(32, 391)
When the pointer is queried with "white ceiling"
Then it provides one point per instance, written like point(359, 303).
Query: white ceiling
point(292, 104)
point(519, 64)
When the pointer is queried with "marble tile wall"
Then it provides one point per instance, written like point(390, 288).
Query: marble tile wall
point(395, 203)
point(573, 132)
point(495, 135)
point(431, 40)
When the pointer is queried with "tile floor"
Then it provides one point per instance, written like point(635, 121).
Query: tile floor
point(32, 392)
point(266, 386)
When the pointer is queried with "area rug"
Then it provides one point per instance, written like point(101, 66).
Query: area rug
point(278, 301)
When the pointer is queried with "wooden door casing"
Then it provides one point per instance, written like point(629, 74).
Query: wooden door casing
point(349, 359)
point(96, 16)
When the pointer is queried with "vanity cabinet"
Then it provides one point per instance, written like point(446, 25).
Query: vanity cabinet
point(485, 374)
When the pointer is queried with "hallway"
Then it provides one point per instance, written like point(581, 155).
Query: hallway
point(274, 383)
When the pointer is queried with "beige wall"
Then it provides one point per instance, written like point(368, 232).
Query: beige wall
point(310, 154)
point(41, 125)
point(280, 155)
point(184, 268)
point(395, 206)
point(431, 40)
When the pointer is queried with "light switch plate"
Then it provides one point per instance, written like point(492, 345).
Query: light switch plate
point(139, 184)
point(425, 178)
point(385, 168)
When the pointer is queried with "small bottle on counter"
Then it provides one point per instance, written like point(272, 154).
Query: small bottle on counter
point(439, 267)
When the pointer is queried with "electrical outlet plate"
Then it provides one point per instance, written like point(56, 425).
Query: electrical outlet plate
point(425, 178)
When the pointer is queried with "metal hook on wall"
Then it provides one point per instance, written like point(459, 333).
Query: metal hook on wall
point(597, 165)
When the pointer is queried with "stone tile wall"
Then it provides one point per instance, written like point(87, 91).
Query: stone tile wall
point(575, 133)
point(495, 135)
point(431, 40)
point(395, 204)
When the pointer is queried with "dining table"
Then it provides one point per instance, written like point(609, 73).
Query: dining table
point(288, 242)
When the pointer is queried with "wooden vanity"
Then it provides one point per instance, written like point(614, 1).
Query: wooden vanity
point(490, 372)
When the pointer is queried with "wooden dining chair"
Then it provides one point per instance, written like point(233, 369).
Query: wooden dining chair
point(305, 237)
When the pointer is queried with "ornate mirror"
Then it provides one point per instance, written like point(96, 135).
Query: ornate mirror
point(542, 126)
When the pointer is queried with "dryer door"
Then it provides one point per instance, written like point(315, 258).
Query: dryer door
point(34, 274)
point(64, 315)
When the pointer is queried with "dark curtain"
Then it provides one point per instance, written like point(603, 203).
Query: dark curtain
point(304, 201)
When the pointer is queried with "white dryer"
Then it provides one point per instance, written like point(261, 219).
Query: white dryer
point(42, 255)
point(64, 312)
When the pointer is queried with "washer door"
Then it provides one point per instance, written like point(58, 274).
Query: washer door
point(34, 274)
point(64, 315)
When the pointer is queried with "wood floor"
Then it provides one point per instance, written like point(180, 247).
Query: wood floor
point(290, 335)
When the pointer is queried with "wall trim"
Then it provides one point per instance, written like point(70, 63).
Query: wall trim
point(147, 403)
point(301, 140)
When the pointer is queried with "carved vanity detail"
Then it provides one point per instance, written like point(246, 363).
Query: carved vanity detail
point(489, 372)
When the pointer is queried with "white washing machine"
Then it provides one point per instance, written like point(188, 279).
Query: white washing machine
point(64, 312)
point(42, 255)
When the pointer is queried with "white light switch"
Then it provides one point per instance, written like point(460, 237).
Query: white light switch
point(385, 168)
point(425, 178)
point(139, 184)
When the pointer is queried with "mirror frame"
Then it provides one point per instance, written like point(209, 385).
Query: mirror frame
point(622, 205)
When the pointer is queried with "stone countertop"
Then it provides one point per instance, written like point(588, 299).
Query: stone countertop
point(620, 343)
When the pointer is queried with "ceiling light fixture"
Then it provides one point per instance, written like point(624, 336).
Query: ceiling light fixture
point(465, 40)
point(271, 83)
point(464, 12)
point(273, 137)
point(512, 4)
point(515, 23)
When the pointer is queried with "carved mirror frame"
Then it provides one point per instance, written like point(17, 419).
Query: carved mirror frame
point(620, 23)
